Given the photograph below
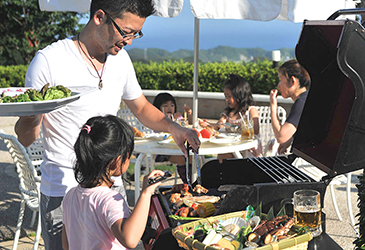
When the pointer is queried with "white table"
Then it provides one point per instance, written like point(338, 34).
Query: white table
point(152, 147)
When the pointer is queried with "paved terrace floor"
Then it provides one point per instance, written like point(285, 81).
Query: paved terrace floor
point(340, 231)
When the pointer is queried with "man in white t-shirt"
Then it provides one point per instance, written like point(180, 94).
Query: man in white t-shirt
point(94, 58)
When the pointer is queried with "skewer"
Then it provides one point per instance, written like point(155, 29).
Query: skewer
point(166, 191)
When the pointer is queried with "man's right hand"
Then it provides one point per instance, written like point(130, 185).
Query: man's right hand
point(27, 128)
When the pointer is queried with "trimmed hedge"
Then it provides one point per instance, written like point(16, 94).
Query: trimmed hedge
point(12, 76)
point(179, 75)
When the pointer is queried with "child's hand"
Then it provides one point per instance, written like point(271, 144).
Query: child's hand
point(203, 123)
point(188, 110)
point(151, 187)
point(177, 115)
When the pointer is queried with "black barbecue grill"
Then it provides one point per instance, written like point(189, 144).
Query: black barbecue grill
point(254, 181)
point(331, 131)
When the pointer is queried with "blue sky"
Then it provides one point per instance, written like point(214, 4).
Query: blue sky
point(178, 33)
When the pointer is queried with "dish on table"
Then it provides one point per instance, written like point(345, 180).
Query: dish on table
point(202, 140)
point(155, 135)
point(167, 141)
point(227, 135)
point(151, 136)
point(38, 107)
point(138, 138)
point(171, 140)
point(226, 140)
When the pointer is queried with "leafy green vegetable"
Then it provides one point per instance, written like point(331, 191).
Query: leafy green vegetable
point(6, 99)
point(270, 214)
point(258, 210)
point(21, 98)
point(34, 95)
point(242, 234)
point(66, 91)
point(53, 93)
point(46, 93)
point(44, 90)
point(300, 230)
point(281, 212)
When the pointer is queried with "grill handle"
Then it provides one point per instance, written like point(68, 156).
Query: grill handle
point(346, 12)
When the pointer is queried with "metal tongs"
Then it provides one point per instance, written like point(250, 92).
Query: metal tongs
point(198, 180)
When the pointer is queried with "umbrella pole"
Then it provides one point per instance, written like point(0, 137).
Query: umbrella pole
point(196, 72)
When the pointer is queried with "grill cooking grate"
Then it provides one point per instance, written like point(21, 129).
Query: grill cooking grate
point(280, 171)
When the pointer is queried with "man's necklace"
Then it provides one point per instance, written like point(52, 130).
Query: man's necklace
point(88, 57)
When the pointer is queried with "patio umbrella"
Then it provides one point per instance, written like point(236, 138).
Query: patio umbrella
point(259, 10)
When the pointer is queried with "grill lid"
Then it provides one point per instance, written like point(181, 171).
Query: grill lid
point(331, 131)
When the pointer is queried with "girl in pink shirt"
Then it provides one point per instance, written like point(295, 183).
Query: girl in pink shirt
point(95, 216)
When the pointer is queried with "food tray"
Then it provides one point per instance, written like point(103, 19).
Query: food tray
point(296, 243)
point(38, 107)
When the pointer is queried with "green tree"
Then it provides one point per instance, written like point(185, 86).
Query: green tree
point(25, 29)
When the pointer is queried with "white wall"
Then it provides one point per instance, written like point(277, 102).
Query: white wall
point(211, 104)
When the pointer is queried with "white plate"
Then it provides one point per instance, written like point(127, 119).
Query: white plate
point(227, 135)
point(202, 140)
point(225, 140)
point(140, 138)
point(38, 107)
point(167, 141)
point(155, 135)
point(171, 140)
point(152, 136)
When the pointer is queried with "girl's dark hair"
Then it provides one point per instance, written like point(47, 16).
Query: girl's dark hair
point(293, 68)
point(100, 142)
point(116, 8)
point(163, 98)
point(241, 92)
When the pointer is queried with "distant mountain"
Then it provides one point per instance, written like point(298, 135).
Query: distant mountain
point(218, 54)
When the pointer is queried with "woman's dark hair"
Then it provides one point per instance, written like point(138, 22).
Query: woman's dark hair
point(116, 8)
point(293, 68)
point(241, 92)
point(100, 142)
point(162, 98)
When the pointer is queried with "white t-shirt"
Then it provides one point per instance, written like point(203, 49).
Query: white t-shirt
point(62, 64)
point(88, 215)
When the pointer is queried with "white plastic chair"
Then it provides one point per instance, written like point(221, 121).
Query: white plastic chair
point(267, 135)
point(127, 115)
point(29, 184)
point(35, 152)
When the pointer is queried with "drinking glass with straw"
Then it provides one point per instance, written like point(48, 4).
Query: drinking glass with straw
point(246, 128)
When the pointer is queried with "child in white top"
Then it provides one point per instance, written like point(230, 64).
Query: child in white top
point(167, 104)
point(239, 99)
point(95, 216)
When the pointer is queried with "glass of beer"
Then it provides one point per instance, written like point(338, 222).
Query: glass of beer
point(307, 210)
